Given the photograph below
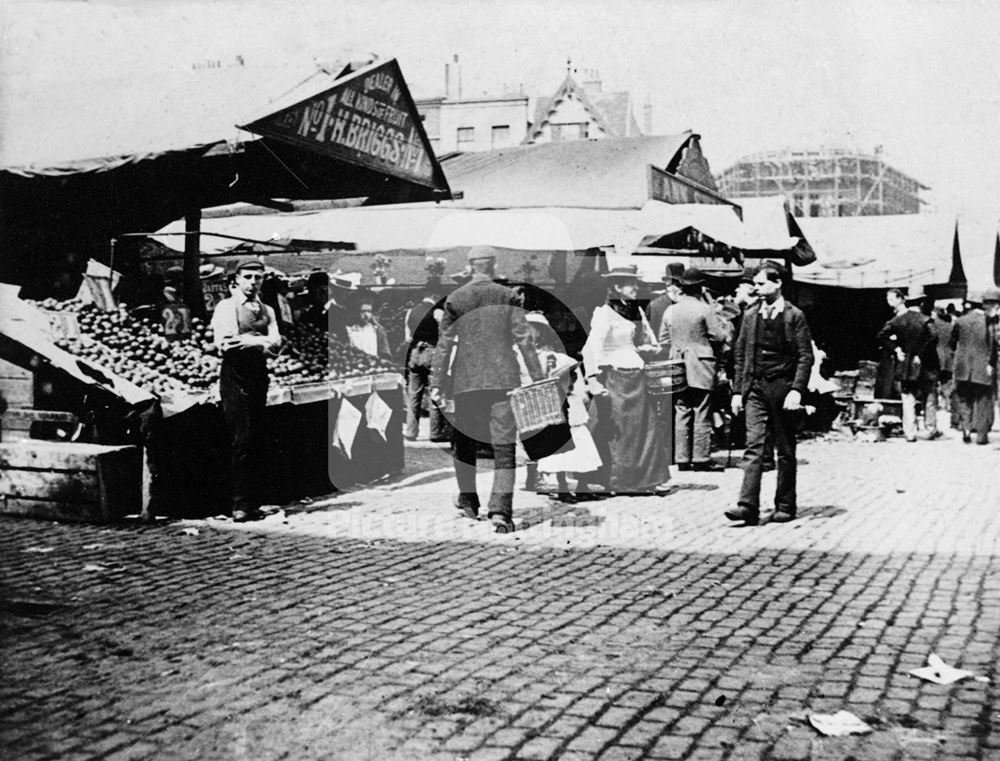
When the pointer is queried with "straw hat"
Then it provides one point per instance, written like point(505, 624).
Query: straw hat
point(625, 272)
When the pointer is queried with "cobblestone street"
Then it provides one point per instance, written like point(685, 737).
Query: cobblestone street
point(377, 625)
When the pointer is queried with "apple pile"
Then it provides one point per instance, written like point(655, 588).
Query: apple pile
point(137, 350)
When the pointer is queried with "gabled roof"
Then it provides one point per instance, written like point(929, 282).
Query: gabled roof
point(609, 173)
point(612, 110)
point(617, 110)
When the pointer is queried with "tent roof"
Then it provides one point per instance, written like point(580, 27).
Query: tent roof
point(419, 226)
point(980, 240)
point(886, 251)
point(608, 173)
point(98, 122)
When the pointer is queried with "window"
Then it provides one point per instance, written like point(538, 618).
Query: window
point(571, 131)
point(500, 136)
point(466, 135)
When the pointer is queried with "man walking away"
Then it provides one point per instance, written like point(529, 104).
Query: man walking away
point(974, 341)
point(422, 338)
point(773, 357)
point(483, 321)
point(909, 339)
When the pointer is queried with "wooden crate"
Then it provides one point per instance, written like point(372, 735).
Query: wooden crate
point(70, 482)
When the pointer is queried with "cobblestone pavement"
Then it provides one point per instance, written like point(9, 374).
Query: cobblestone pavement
point(377, 625)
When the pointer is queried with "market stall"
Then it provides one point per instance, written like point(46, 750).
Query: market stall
point(134, 364)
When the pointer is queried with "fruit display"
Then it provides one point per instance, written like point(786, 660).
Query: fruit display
point(137, 349)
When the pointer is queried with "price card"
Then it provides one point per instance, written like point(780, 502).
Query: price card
point(176, 321)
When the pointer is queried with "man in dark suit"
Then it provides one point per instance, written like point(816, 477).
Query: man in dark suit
point(909, 339)
point(659, 305)
point(773, 357)
point(974, 340)
point(482, 322)
point(693, 332)
point(421, 339)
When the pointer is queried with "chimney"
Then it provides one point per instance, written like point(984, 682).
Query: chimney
point(447, 81)
point(592, 82)
point(647, 117)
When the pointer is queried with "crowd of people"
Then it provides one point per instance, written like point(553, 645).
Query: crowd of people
point(943, 358)
point(745, 361)
point(621, 437)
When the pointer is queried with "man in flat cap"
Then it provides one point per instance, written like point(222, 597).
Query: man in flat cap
point(481, 323)
point(246, 330)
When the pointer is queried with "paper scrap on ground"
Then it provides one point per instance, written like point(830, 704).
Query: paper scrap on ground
point(838, 724)
point(190, 531)
point(39, 550)
point(940, 672)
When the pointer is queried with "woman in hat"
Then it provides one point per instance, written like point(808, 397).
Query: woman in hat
point(629, 434)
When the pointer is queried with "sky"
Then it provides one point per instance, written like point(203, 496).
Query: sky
point(921, 79)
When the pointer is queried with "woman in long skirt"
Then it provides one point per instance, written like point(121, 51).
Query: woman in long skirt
point(633, 440)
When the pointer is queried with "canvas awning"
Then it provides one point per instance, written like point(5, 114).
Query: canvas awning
point(83, 169)
point(418, 226)
point(889, 251)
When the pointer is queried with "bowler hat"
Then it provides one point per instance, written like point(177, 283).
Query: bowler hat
point(625, 272)
point(692, 276)
point(673, 272)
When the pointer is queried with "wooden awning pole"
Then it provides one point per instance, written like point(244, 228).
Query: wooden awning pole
point(192, 261)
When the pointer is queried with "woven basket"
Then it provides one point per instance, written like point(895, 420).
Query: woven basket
point(537, 406)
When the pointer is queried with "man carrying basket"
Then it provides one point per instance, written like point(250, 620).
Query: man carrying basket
point(482, 322)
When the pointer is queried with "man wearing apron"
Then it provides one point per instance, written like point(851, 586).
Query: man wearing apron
point(246, 331)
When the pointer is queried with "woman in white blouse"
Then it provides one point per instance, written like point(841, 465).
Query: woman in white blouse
point(632, 439)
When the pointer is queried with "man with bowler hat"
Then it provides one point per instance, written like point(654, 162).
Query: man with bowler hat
point(773, 357)
point(974, 366)
point(246, 331)
point(695, 334)
point(670, 294)
point(482, 322)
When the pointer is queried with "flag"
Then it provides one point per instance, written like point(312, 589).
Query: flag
point(346, 427)
point(378, 414)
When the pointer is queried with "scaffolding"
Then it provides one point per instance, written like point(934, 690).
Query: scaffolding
point(828, 182)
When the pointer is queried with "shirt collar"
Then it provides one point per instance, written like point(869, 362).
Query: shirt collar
point(773, 310)
point(240, 298)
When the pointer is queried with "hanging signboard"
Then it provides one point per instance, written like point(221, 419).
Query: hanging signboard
point(672, 188)
point(367, 118)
